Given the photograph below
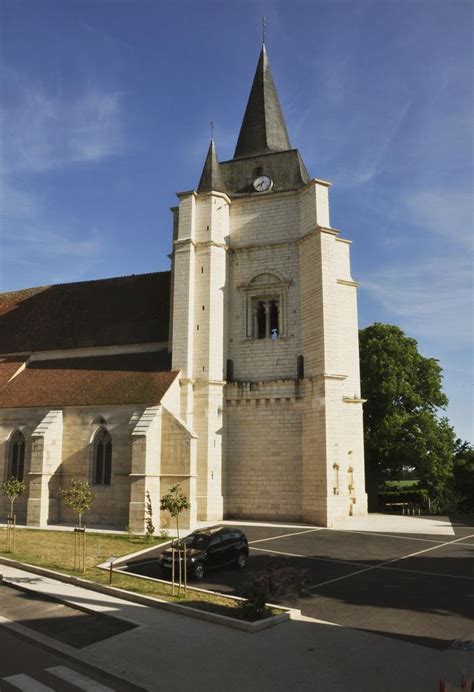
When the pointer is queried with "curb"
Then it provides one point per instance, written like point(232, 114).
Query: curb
point(214, 618)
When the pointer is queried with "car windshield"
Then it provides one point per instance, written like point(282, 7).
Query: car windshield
point(198, 541)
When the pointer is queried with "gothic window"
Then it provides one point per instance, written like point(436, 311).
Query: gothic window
point(16, 461)
point(102, 457)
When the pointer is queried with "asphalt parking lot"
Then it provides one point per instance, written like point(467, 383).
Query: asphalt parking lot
point(418, 588)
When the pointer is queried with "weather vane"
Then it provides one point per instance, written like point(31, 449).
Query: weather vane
point(212, 130)
point(263, 30)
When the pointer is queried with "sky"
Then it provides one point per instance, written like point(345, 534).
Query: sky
point(105, 110)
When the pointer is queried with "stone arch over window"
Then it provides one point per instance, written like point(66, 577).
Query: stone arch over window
point(266, 305)
point(16, 455)
point(101, 457)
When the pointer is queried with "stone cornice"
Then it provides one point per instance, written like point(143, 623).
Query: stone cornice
point(345, 282)
point(186, 193)
point(210, 243)
point(353, 400)
point(214, 193)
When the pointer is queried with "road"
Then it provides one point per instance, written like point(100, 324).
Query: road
point(33, 667)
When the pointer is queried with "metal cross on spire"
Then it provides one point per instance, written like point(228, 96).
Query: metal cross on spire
point(212, 130)
point(263, 30)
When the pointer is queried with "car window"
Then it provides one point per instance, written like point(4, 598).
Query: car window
point(198, 541)
point(215, 540)
point(237, 534)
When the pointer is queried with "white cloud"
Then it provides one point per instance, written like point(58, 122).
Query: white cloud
point(449, 213)
point(37, 247)
point(41, 130)
point(431, 299)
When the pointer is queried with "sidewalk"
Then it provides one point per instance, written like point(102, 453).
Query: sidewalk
point(177, 653)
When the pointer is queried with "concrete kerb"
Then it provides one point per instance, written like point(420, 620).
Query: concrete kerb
point(287, 614)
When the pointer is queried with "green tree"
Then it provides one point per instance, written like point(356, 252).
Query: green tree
point(78, 497)
point(175, 502)
point(403, 428)
point(13, 488)
point(463, 472)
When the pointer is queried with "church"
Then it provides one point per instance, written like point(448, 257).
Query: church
point(234, 374)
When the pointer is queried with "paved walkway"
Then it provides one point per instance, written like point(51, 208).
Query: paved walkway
point(176, 653)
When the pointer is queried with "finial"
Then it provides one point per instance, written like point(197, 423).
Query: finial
point(263, 31)
point(212, 130)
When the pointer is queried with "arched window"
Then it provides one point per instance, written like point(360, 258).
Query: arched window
point(266, 296)
point(102, 457)
point(16, 460)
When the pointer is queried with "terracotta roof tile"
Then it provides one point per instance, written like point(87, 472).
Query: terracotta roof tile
point(9, 366)
point(122, 310)
point(120, 379)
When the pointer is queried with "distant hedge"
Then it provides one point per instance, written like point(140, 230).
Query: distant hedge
point(417, 496)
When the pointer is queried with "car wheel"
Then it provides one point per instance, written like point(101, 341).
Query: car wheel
point(241, 560)
point(198, 571)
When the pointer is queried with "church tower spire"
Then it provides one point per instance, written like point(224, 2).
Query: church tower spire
point(263, 127)
point(211, 176)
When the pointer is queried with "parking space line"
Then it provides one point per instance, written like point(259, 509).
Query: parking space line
point(430, 574)
point(310, 557)
point(285, 535)
point(386, 535)
point(389, 562)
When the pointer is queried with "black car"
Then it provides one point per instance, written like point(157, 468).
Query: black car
point(208, 549)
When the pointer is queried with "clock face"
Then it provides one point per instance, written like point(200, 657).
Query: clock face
point(263, 183)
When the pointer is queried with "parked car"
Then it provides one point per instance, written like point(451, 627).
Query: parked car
point(208, 549)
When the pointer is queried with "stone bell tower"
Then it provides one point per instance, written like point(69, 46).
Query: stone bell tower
point(264, 331)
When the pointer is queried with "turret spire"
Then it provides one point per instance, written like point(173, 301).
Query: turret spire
point(211, 176)
point(263, 127)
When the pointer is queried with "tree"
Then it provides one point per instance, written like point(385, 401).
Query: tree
point(175, 502)
point(150, 529)
point(78, 497)
point(402, 424)
point(13, 488)
point(463, 473)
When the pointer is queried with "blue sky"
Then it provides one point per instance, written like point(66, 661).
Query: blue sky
point(104, 115)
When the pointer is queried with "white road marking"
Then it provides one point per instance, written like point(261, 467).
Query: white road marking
point(429, 574)
point(310, 557)
point(387, 535)
point(81, 681)
point(27, 684)
point(381, 565)
point(285, 535)
point(389, 562)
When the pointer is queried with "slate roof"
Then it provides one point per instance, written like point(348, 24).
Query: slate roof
point(263, 127)
point(211, 177)
point(263, 146)
point(136, 378)
point(123, 310)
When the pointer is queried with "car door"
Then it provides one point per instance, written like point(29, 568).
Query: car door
point(228, 550)
point(214, 552)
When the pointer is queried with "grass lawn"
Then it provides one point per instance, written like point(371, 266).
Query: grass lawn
point(401, 485)
point(55, 550)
